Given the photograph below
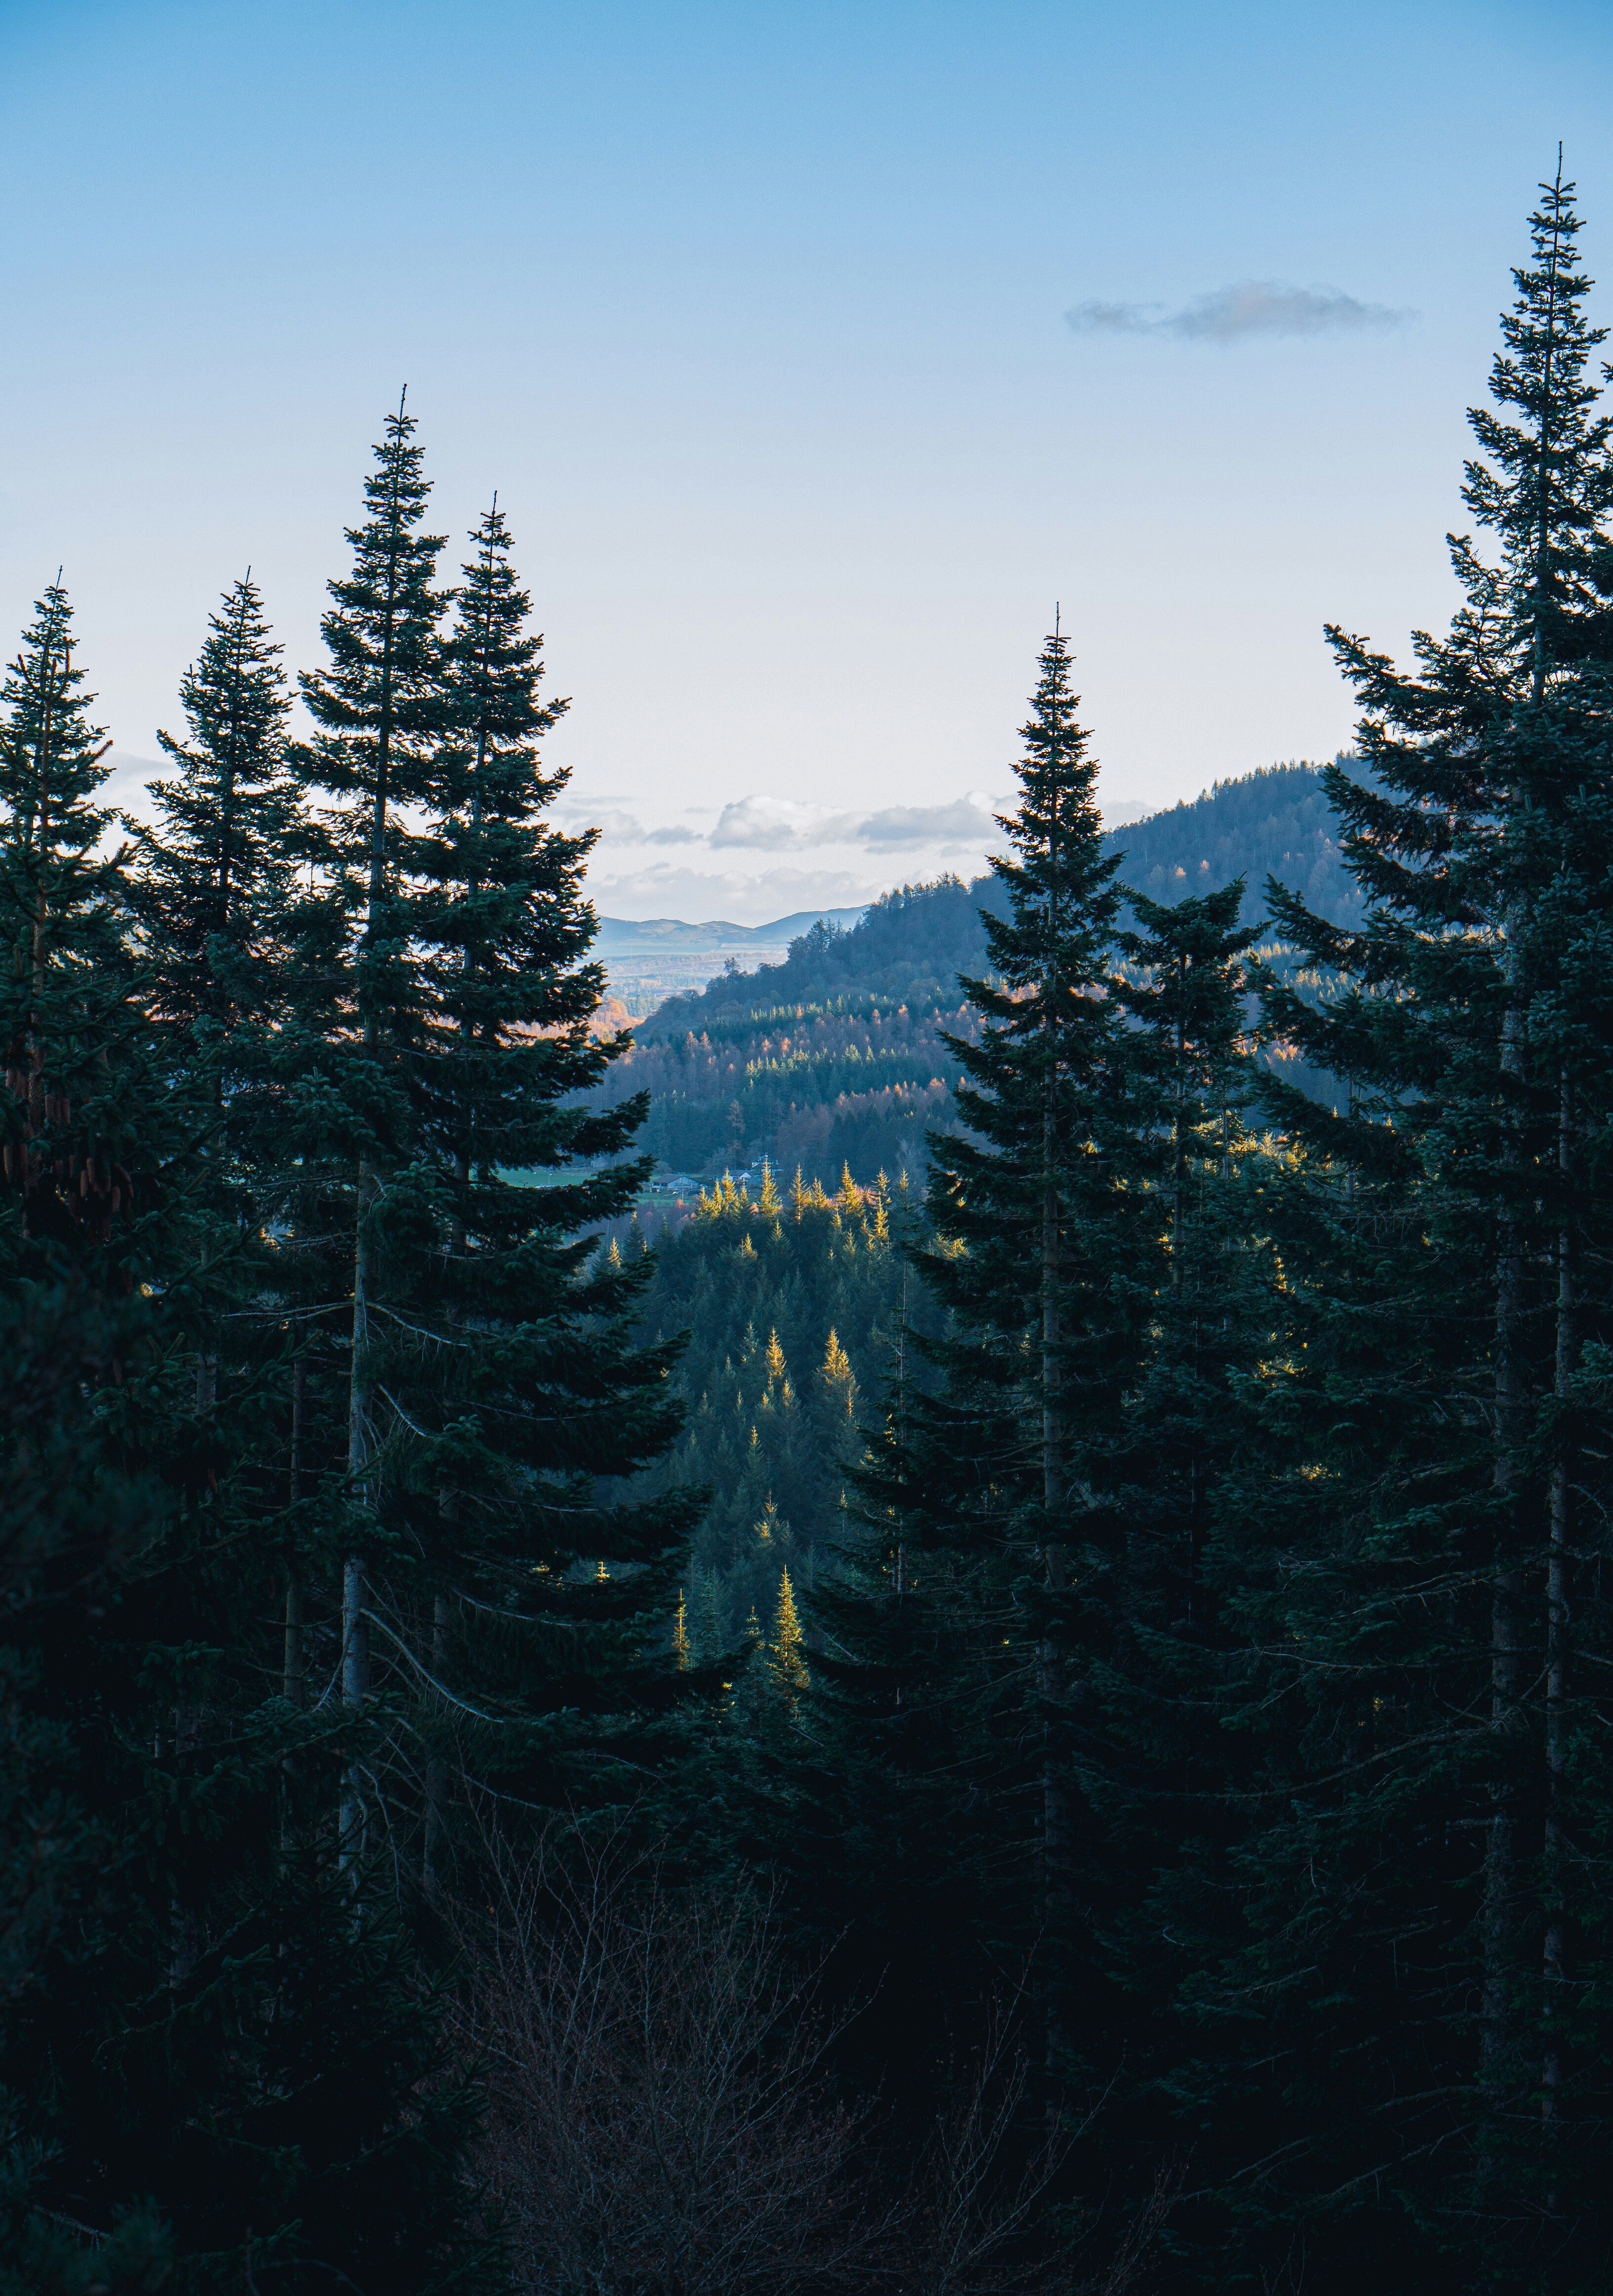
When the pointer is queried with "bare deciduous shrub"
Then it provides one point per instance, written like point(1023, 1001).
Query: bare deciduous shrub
point(988, 2213)
point(659, 2124)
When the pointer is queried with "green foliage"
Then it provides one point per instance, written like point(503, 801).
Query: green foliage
point(791, 1307)
point(215, 878)
point(1441, 1595)
point(162, 1930)
point(294, 1363)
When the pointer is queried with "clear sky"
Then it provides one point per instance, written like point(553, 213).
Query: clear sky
point(815, 352)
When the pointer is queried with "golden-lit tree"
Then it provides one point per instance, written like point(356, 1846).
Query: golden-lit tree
point(785, 1654)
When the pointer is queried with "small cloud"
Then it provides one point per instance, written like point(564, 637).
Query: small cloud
point(128, 785)
point(1113, 318)
point(963, 823)
point(611, 823)
point(774, 825)
point(666, 890)
point(1264, 306)
point(621, 827)
point(1253, 307)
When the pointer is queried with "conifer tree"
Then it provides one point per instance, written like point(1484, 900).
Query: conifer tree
point(541, 1405)
point(980, 1576)
point(520, 1600)
point(51, 768)
point(379, 711)
point(1050, 1253)
point(788, 1666)
point(1456, 1191)
point(215, 877)
point(1187, 995)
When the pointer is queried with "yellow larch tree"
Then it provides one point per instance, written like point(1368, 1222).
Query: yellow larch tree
point(785, 1656)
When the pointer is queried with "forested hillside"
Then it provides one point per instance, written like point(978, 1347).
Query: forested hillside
point(796, 1307)
point(836, 1056)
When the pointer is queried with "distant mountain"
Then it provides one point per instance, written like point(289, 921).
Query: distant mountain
point(836, 1055)
point(654, 936)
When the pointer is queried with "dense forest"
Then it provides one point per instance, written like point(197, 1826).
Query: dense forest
point(1030, 1717)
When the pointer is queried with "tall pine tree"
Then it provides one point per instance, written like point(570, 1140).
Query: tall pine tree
point(379, 710)
point(1422, 1559)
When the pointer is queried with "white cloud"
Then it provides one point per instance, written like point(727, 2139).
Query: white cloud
point(1249, 310)
point(669, 889)
point(126, 788)
point(767, 824)
point(964, 825)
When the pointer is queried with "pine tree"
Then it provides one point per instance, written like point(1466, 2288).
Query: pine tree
point(939, 1788)
point(520, 1591)
point(215, 878)
point(788, 1665)
point(1187, 995)
point(51, 764)
point(1433, 1628)
point(379, 711)
point(1051, 1265)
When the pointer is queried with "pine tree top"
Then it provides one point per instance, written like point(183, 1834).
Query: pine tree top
point(1062, 899)
point(1547, 484)
point(220, 870)
point(50, 754)
point(379, 705)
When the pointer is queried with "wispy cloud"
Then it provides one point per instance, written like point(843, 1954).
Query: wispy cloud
point(1248, 311)
point(775, 825)
point(624, 828)
point(666, 890)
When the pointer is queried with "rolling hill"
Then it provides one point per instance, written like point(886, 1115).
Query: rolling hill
point(835, 1056)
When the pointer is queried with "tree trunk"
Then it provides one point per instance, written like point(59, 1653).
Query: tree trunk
point(1559, 1615)
point(294, 1675)
point(355, 1591)
point(436, 1767)
point(1506, 1596)
point(1055, 1810)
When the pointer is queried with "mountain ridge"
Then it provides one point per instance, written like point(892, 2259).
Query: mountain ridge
point(838, 1054)
point(652, 936)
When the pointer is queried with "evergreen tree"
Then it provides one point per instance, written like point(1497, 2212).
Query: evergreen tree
point(51, 764)
point(215, 879)
point(1186, 993)
point(519, 1403)
point(1422, 1561)
point(494, 1399)
point(950, 1699)
point(350, 1124)
point(1051, 1273)
point(789, 1669)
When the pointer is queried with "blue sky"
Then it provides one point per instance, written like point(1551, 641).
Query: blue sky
point(758, 320)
